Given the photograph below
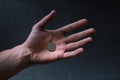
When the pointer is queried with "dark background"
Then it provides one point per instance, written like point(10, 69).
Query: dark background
point(100, 61)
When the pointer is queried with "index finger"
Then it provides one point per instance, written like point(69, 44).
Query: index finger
point(73, 26)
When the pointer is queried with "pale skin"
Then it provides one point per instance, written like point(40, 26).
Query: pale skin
point(34, 50)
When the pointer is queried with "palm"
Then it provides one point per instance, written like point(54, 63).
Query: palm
point(39, 38)
point(38, 41)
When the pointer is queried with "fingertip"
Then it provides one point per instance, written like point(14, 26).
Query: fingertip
point(82, 22)
point(90, 39)
point(81, 50)
point(84, 19)
point(93, 30)
point(53, 12)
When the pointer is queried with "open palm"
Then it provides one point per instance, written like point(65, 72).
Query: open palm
point(65, 46)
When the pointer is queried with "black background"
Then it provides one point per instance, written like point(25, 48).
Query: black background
point(100, 61)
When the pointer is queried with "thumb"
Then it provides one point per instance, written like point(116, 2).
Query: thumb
point(42, 23)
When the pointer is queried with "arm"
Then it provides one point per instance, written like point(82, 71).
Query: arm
point(34, 49)
point(13, 60)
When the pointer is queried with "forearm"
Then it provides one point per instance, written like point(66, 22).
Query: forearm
point(13, 60)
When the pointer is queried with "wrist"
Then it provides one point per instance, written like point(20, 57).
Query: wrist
point(25, 55)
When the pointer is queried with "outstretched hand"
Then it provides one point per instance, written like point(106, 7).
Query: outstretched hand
point(65, 46)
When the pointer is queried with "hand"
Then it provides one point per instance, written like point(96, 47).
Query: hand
point(65, 46)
